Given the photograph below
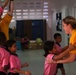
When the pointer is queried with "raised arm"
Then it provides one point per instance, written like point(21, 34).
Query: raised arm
point(11, 7)
point(5, 4)
point(69, 59)
point(71, 47)
point(57, 57)
point(64, 48)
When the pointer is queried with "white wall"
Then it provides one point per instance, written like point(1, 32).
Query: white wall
point(64, 36)
point(67, 7)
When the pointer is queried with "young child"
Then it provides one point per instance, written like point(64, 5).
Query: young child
point(4, 55)
point(58, 39)
point(25, 42)
point(15, 64)
point(50, 51)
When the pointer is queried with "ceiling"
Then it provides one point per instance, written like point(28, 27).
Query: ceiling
point(56, 4)
point(62, 3)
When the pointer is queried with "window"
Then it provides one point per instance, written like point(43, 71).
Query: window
point(45, 3)
point(18, 10)
point(25, 13)
point(25, 17)
point(12, 20)
point(19, 17)
point(45, 6)
point(5, 11)
point(45, 13)
point(30, 10)
point(18, 13)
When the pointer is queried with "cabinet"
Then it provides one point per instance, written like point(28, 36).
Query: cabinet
point(33, 29)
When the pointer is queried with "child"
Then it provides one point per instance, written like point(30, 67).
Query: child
point(25, 42)
point(4, 55)
point(58, 39)
point(50, 51)
point(15, 64)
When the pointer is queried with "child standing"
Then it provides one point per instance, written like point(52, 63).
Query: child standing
point(58, 39)
point(50, 51)
point(4, 55)
point(15, 64)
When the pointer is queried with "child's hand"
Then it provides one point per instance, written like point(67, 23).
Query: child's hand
point(26, 64)
point(27, 73)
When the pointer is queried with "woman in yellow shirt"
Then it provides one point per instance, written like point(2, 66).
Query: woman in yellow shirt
point(69, 26)
point(5, 21)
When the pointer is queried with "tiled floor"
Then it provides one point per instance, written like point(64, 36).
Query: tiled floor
point(35, 59)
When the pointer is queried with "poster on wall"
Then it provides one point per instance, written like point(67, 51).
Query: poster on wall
point(59, 21)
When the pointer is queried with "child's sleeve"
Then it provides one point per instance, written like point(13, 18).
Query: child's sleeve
point(6, 59)
point(50, 56)
point(13, 63)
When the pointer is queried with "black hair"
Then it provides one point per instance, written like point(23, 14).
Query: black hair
point(56, 35)
point(48, 45)
point(2, 39)
point(9, 43)
point(70, 20)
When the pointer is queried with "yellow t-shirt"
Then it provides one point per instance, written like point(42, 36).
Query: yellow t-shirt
point(4, 25)
point(73, 41)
